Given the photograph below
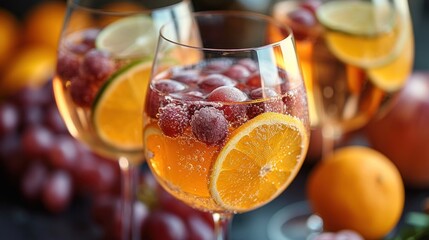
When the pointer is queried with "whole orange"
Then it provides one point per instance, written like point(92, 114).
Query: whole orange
point(29, 67)
point(42, 24)
point(9, 35)
point(357, 188)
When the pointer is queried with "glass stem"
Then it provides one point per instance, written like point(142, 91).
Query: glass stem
point(330, 135)
point(129, 174)
point(222, 222)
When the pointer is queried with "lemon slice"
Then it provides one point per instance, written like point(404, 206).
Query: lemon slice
point(129, 37)
point(357, 17)
point(258, 162)
point(118, 107)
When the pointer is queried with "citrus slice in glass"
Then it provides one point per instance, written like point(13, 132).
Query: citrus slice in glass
point(129, 37)
point(362, 33)
point(258, 162)
point(394, 75)
point(118, 107)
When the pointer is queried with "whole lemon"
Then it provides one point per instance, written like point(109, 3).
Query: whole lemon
point(357, 188)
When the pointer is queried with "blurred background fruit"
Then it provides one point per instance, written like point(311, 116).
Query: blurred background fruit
point(403, 133)
point(359, 189)
point(9, 35)
point(42, 23)
point(28, 67)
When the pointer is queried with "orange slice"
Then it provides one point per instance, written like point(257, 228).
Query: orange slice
point(393, 76)
point(362, 33)
point(118, 107)
point(258, 162)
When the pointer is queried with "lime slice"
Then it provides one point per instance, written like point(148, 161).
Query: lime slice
point(118, 107)
point(357, 17)
point(129, 37)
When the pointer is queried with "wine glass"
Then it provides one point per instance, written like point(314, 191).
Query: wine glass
point(226, 124)
point(104, 60)
point(358, 55)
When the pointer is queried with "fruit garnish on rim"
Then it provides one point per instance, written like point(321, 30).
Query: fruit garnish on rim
point(258, 145)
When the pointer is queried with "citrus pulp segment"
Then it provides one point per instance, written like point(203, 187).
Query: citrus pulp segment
point(259, 160)
point(129, 37)
point(118, 107)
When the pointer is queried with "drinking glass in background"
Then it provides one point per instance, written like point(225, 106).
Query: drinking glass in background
point(102, 71)
point(226, 124)
point(356, 55)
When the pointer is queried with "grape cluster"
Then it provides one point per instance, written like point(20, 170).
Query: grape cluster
point(84, 66)
point(39, 155)
point(211, 96)
point(304, 18)
point(50, 169)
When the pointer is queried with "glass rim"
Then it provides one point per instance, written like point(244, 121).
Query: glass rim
point(77, 4)
point(232, 13)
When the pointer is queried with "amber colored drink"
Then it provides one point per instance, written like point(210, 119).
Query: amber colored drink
point(85, 82)
point(186, 158)
point(353, 75)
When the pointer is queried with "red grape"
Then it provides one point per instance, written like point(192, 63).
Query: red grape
point(173, 119)
point(63, 153)
point(33, 180)
point(303, 17)
point(235, 113)
point(164, 225)
point(186, 77)
point(274, 104)
point(218, 65)
point(198, 229)
point(9, 118)
point(249, 64)
point(82, 92)
point(169, 86)
point(254, 81)
point(96, 66)
point(53, 120)
point(57, 191)
point(311, 5)
point(213, 81)
point(37, 141)
point(68, 66)
point(209, 125)
point(89, 37)
point(237, 72)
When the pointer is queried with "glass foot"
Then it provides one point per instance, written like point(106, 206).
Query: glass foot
point(294, 222)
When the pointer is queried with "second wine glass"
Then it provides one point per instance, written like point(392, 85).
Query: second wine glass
point(104, 61)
